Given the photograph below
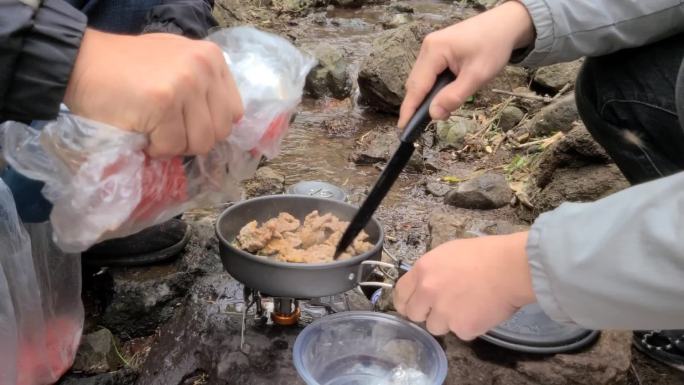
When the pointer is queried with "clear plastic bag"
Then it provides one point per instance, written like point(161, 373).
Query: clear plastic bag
point(41, 314)
point(103, 186)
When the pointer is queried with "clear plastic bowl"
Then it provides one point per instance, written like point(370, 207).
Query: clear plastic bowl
point(368, 348)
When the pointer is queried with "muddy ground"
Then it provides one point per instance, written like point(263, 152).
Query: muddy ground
point(180, 323)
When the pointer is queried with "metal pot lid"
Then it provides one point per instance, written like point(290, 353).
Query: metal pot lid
point(530, 330)
point(318, 189)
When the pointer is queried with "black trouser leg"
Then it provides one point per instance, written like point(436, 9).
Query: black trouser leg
point(627, 101)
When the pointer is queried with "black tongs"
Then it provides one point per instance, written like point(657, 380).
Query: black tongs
point(413, 130)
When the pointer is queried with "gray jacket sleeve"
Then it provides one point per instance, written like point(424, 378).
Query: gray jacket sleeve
point(569, 29)
point(39, 42)
point(615, 263)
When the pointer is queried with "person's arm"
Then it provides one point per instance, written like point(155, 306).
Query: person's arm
point(569, 29)
point(39, 42)
point(190, 18)
point(615, 263)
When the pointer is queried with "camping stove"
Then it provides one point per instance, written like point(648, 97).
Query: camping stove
point(288, 311)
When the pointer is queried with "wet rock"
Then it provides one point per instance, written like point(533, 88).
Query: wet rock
point(331, 76)
point(575, 150)
point(97, 353)
point(557, 116)
point(266, 181)
point(296, 7)
point(585, 184)
point(574, 169)
point(385, 70)
point(378, 146)
point(605, 363)
point(451, 133)
point(437, 189)
point(433, 160)
point(483, 4)
point(350, 3)
point(444, 226)
point(510, 117)
point(485, 192)
point(201, 255)
point(396, 20)
point(447, 224)
point(120, 377)
point(402, 7)
point(203, 341)
point(143, 299)
point(556, 76)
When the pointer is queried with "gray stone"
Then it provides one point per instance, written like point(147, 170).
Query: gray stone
point(385, 70)
point(444, 226)
point(266, 181)
point(143, 299)
point(605, 363)
point(296, 7)
point(397, 20)
point(330, 77)
point(483, 4)
point(557, 116)
point(556, 76)
point(350, 3)
point(378, 146)
point(510, 117)
point(402, 7)
point(97, 353)
point(120, 377)
point(451, 133)
point(437, 189)
point(485, 192)
point(447, 224)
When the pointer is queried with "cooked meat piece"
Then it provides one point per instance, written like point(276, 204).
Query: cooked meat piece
point(281, 245)
point(314, 254)
point(311, 236)
point(313, 241)
point(253, 238)
point(283, 223)
point(361, 244)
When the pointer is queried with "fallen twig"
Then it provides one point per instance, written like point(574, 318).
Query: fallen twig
point(544, 142)
point(562, 91)
point(636, 374)
point(544, 99)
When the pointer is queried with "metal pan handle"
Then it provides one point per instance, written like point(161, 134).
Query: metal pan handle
point(397, 270)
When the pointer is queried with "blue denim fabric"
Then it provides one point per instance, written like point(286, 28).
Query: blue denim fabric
point(116, 16)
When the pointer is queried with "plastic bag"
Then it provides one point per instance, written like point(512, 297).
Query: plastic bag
point(103, 186)
point(41, 314)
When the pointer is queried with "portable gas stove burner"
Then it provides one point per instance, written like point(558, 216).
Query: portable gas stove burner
point(288, 312)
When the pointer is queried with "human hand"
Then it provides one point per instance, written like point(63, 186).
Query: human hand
point(467, 286)
point(475, 50)
point(177, 91)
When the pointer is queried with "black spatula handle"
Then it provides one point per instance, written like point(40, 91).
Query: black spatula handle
point(394, 167)
point(416, 126)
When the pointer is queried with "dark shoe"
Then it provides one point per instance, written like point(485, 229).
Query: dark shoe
point(666, 347)
point(152, 245)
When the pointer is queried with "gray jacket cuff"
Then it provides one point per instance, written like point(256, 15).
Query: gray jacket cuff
point(542, 279)
point(542, 18)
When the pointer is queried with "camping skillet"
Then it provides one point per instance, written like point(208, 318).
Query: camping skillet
point(293, 280)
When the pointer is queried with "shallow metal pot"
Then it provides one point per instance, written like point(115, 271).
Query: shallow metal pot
point(282, 279)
